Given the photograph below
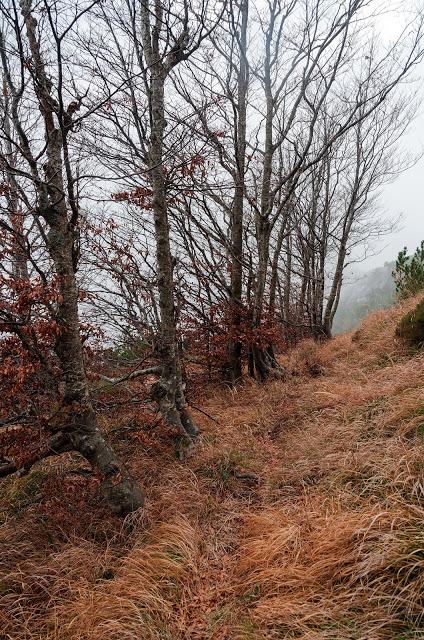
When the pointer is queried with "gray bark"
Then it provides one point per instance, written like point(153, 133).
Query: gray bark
point(235, 346)
point(75, 425)
point(168, 391)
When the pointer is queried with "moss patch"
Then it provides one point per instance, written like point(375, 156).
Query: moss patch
point(19, 493)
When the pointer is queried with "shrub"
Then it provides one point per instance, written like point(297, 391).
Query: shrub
point(411, 326)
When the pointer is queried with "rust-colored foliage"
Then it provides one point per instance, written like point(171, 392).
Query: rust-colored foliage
point(30, 393)
point(141, 196)
point(209, 338)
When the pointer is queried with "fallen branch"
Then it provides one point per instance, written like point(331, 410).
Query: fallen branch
point(14, 420)
point(130, 376)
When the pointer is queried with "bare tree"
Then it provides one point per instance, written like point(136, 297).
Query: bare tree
point(301, 57)
point(338, 204)
point(30, 35)
point(146, 42)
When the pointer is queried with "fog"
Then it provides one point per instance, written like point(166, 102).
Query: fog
point(403, 198)
point(406, 197)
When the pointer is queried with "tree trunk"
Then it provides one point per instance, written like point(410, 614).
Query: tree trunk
point(76, 422)
point(287, 281)
point(265, 364)
point(235, 346)
point(19, 257)
point(334, 295)
point(168, 391)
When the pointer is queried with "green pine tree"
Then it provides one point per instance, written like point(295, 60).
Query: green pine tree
point(409, 272)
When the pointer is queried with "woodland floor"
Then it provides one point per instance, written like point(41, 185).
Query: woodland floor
point(300, 513)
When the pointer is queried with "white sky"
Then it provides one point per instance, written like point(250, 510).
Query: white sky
point(406, 195)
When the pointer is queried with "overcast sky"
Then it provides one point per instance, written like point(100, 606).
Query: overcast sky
point(406, 195)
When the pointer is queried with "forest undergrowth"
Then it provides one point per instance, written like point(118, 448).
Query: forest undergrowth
point(300, 513)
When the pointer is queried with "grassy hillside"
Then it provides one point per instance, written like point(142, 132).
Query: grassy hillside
point(299, 515)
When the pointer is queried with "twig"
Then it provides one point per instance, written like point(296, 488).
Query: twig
point(204, 412)
point(13, 420)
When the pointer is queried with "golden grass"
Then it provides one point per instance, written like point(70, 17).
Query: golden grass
point(300, 515)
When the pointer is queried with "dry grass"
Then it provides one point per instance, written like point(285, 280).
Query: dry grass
point(301, 515)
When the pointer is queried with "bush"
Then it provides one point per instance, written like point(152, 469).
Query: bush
point(411, 327)
point(409, 272)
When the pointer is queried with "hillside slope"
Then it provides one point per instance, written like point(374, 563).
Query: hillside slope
point(299, 515)
point(362, 294)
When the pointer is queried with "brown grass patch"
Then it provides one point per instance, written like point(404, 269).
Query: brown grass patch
point(300, 515)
